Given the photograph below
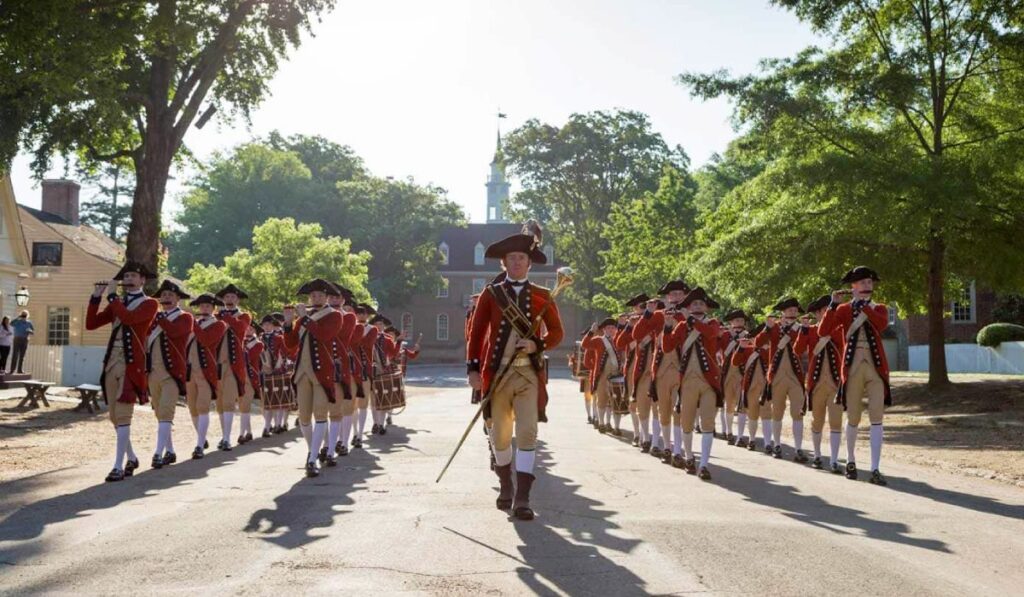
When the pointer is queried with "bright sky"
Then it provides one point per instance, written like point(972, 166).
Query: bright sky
point(413, 87)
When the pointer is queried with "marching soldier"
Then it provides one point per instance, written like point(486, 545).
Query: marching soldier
point(231, 359)
point(253, 356)
point(383, 352)
point(124, 379)
point(311, 334)
point(344, 405)
point(165, 360)
point(865, 370)
point(364, 338)
point(638, 374)
point(505, 362)
point(202, 381)
point(822, 382)
point(588, 390)
point(731, 375)
point(657, 322)
point(752, 362)
point(273, 361)
point(700, 386)
point(785, 375)
point(601, 341)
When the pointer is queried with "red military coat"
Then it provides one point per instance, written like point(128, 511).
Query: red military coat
point(341, 353)
point(807, 341)
point(772, 337)
point(207, 334)
point(170, 332)
point(596, 345)
point(238, 322)
point(488, 336)
point(132, 322)
point(704, 348)
point(312, 336)
point(254, 363)
point(274, 351)
point(654, 325)
point(748, 366)
point(841, 317)
point(364, 350)
point(728, 344)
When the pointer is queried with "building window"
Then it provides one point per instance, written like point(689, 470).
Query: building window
point(443, 250)
point(58, 326)
point(478, 254)
point(479, 284)
point(442, 288)
point(407, 324)
point(442, 327)
point(492, 214)
point(50, 254)
point(893, 311)
point(963, 307)
point(549, 252)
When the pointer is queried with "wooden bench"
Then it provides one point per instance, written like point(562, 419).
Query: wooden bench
point(88, 394)
point(34, 392)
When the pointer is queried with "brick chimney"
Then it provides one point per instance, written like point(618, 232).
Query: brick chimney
point(60, 198)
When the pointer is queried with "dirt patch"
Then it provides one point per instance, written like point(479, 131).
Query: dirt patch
point(975, 427)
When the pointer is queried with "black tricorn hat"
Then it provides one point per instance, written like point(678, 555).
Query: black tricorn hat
point(735, 314)
point(321, 285)
point(345, 292)
point(378, 318)
point(607, 321)
point(674, 285)
point(698, 294)
point(278, 317)
point(786, 303)
point(819, 303)
point(860, 272)
point(138, 268)
point(207, 298)
point(171, 286)
point(637, 300)
point(366, 308)
point(231, 289)
point(392, 330)
point(528, 241)
point(268, 319)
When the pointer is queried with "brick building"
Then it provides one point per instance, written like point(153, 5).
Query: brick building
point(440, 315)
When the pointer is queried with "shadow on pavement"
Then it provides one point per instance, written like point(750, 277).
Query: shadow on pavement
point(815, 511)
point(978, 503)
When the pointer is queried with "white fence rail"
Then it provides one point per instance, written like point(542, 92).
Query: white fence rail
point(64, 365)
point(1007, 358)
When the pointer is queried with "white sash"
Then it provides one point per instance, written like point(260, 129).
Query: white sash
point(857, 322)
point(750, 360)
point(784, 341)
point(610, 351)
point(690, 339)
point(153, 335)
point(822, 343)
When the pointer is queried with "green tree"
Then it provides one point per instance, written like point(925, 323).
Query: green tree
point(284, 256)
point(572, 175)
point(896, 146)
point(113, 80)
point(110, 210)
point(648, 238)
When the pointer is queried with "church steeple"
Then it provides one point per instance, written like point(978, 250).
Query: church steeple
point(497, 187)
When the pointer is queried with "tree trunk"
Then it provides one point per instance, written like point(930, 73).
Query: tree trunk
point(938, 375)
point(152, 169)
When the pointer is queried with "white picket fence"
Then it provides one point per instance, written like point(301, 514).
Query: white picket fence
point(64, 365)
point(1007, 358)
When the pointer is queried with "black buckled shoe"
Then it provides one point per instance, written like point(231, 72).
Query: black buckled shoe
point(617, 432)
point(130, 466)
point(266, 433)
point(816, 463)
point(877, 478)
point(777, 452)
point(375, 429)
point(241, 439)
point(322, 456)
point(678, 461)
point(383, 430)
point(170, 458)
point(704, 474)
point(752, 446)
point(312, 470)
point(197, 453)
point(800, 457)
point(835, 469)
point(158, 461)
point(331, 461)
point(655, 451)
point(357, 443)
point(851, 471)
point(691, 466)
point(342, 450)
point(602, 429)
point(636, 441)
point(388, 420)
point(666, 457)
point(115, 475)
point(742, 442)
point(645, 447)
point(731, 439)
point(206, 445)
point(767, 448)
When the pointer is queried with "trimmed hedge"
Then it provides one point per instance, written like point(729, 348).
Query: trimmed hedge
point(995, 334)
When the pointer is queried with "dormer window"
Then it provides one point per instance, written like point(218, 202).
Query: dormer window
point(443, 250)
point(478, 254)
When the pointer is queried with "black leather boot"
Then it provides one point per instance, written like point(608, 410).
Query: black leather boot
point(521, 506)
point(506, 490)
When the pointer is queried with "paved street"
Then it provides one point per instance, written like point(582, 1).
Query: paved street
point(610, 521)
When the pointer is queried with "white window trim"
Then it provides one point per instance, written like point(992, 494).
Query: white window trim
point(442, 288)
point(893, 314)
point(447, 324)
point(408, 331)
point(972, 293)
point(482, 286)
point(445, 253)
point(478, 254)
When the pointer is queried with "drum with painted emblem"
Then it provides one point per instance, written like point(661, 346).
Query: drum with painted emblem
point(388, 390)
point(619, 396)
point(278, 391)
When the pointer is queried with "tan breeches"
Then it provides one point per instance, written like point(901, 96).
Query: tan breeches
point(245, 400)
point(198, 396)
point(588, 392)
point(514, 403)
point(344, 408)
point(312, 399)
point(731, 393)
point(667, 385)
point(754, 398)
point(864, 382)
point(696, 394)
point(603, 394)
point(364, 402)
point(227, 397)
point(823, 400)
point(163, 394)
point(785, 387)
point(642, 399)
point(120, 413)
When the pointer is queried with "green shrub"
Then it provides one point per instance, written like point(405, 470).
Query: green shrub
point(995, 334)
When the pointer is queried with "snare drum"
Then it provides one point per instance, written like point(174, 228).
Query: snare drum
point(388, 391)
point(279, 392)
point(619, 397)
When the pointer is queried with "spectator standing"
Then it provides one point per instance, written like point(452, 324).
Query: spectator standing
point(6, 338)
point(23, 329)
